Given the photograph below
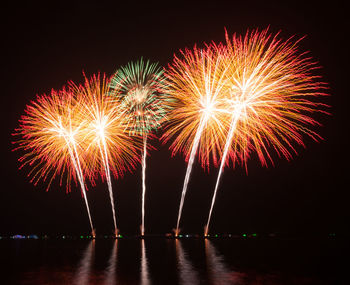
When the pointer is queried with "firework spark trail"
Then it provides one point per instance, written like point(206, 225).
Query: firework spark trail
point(82, 185)
point(269, 89)
point(90, 97)
point(69, 139)
point(50, 137)
point(104, 157)
point(140, 88)
point(199, 118)
point(189, 169)
point(223, 160)
point(144, 155)
point(108, 148)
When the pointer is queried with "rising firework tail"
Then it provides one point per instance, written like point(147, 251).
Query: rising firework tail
point(107, 147)
point(273, 93)
point(77, 133)
point(198, 119)
point(254, 94)
point(141, 89)
point(196, 82)
point(49, 135)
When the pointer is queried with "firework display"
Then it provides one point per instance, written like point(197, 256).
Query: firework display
point(141, 89)
point(271, 95)
point(220, 104)
point(258, 93)
point(79, 131)
point(50, 135)
point(107, 147)
point(197, 120)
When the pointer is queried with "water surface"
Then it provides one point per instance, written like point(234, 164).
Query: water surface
point(168, 261)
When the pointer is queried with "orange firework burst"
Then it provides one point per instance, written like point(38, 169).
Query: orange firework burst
point(271, 92)
point(50, 133)
point(104, 137)
point(76, 133)
point(198, 119)
point(251, 95)
point(196, 82)
point(107, 146)
point(48, 130)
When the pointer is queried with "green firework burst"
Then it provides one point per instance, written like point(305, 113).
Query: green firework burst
point(141, 88)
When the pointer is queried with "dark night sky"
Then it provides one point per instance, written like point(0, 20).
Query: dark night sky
point(45, 46)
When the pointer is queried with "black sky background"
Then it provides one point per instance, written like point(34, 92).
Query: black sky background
point(44, 46)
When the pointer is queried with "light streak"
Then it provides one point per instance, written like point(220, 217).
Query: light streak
point(141, 89)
